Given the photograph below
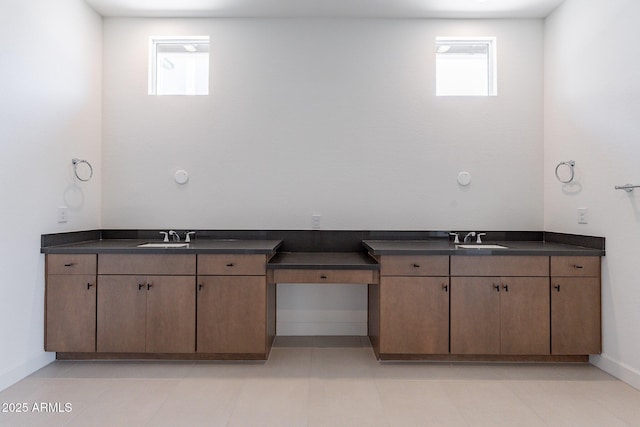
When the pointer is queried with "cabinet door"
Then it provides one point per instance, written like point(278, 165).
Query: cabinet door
point(475, 315)
point(232, 314)
point(71, 313)
point(575, 315)
point(171, 314)
point(121, 314)
point(414, 315)
point(524, 315)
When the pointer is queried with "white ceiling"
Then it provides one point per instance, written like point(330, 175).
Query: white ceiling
point(353, 8)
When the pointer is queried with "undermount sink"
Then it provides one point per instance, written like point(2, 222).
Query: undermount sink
point(166, 245)
point(481, 247)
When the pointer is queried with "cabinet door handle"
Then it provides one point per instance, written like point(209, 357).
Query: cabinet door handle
point(149, 286)
point(445, 287)
point(496, 287)
point(557, 288)
point(71, 264)
point(505, 287)
point(416, 265)
point(323, 277)
point(140, 286)
point(577, 266)
point(230, 264)
point(89, 285)
point(200, 286)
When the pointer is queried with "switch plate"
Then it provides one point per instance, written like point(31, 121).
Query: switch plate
point(315, 221)
point(63, 214)
point(583, 216)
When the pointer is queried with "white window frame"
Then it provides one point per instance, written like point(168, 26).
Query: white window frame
point(492, 59)
point(154, 41)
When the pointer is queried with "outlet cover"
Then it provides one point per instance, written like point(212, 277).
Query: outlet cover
point(315, 221)
point(583, 216)
point(63, 214)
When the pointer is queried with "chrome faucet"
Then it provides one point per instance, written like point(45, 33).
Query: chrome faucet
point(166, 236)
point(174, 235)
point(468, 237)
point(187, 235)
point(479, 238)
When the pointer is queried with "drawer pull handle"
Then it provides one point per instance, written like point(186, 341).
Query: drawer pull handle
point(577, 266)
point(200, 287)
point(230, 264)
point(416, 265)
point(445, 287)
point(323, 277)
point(505, 287)
point(149, 286)
point(71, 264)
point(557, 288)
point(89, 285)
point(496, 287)
point(140, 286)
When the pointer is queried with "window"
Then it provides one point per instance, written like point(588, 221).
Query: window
point(466, 67)
point(179, 66)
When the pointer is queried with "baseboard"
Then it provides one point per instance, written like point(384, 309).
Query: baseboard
point(321, 328)
point(617, 369)
point(15, 374)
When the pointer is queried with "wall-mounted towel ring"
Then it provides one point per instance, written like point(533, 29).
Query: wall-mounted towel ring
point(570, 164)
point(77, 162)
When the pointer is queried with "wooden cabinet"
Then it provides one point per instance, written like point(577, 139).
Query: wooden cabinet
point(70, 303)
point(146, 303)
point(409, 309)
point(575, 305)
point(505, 314)
point(236, 305)
point(414, 315)
point(499, 315)
point(152, 314)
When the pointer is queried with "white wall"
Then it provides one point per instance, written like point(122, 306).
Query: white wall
point(319, 116)
point(592, 106)
point(50, 112)
point(331, 117)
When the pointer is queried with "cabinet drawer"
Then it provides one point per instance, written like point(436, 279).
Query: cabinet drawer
point(324, 276)
point(169, 264)
point(71, 264)
point(401, 265)
point(231, 265)
point(575, 266)
point(499, 265)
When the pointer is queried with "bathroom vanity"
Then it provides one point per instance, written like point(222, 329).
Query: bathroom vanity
point(430, 299)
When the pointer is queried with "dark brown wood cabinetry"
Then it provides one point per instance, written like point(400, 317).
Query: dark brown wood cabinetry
point(409, 309)
point(506, 312)
point(500, 315)
point(233, 305)
point(575, 305)
point(70, 303)
point(152, 314)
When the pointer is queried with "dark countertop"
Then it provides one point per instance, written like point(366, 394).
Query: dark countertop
point(129, 246)
point(323, 260)
point(444, 247)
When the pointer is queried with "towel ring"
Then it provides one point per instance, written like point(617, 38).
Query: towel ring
point(570, 164)
point(77, 162)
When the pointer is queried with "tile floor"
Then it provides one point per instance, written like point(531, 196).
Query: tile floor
point(322, 381)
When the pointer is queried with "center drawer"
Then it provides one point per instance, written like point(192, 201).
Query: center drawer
point(323, 276)
point(414, 265)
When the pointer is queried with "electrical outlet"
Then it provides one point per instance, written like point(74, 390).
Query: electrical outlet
point(63, 214)
point(315, 221)
point(583, 216)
